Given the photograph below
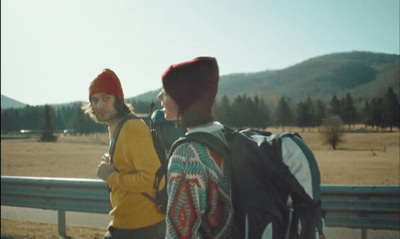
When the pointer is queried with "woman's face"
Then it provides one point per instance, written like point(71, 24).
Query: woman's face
point(171, 109)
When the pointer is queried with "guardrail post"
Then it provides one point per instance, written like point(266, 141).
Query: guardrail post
point(62, 231)
point(364, 233)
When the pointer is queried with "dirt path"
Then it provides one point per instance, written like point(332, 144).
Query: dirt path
point(32, 230)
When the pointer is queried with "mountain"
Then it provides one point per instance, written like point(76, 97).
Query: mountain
point(364, 75)
point(71, 104)
point(7, 102)
point(148, 96)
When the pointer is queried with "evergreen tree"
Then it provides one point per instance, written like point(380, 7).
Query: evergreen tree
point(31, 117)
point(239, 112)
point(376, 113)
point(83, 124)
point(301, 117)
point(59, 122)
point(334, 106)
point(390, 109)
point(262, 117)
point(47, 126)
point(68, 113)
point(283, 113)
point(248, 111)
point(305, 114)
point(222, 110)
point(366, 113)
point(243, 112)
point(320, 113)
point(10, 120)
point(348, 111)
point(310, 112)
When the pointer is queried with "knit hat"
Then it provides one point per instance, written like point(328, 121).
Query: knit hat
point(106, 82)
point(193, 82)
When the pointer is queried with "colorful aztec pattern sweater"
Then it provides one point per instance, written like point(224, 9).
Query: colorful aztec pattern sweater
point(199, 191)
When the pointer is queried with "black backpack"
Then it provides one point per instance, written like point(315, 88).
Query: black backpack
point(262, 184)
point(164, 133)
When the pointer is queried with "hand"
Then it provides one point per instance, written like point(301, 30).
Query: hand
point(105, 169)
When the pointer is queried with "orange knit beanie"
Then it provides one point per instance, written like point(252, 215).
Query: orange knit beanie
point(106, 82)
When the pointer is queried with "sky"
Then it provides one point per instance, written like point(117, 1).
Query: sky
point(52, 49)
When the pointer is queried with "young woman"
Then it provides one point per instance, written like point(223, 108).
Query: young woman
point(199, 188)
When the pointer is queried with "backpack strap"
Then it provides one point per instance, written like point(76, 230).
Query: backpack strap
point(112, 148)
point(116, 133)
point(115, 137)
point(114, 142)
point(206, 139)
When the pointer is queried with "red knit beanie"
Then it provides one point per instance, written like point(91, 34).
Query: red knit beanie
point(107, 82)
point(194, 81)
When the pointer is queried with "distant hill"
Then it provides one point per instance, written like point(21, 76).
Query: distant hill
point(7, 102)
point(148, 96)
point(71, 104)
point(364, 75)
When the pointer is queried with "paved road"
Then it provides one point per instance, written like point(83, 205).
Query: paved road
point(102, 220)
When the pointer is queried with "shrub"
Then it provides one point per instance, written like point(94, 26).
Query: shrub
point(333, 131)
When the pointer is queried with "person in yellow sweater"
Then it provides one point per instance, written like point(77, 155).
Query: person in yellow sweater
point(134, 163)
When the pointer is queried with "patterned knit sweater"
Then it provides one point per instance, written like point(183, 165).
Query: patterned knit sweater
point(199, 191)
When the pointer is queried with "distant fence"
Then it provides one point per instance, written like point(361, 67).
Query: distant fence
point(361, 207)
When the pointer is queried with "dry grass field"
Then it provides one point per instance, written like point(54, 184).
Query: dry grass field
point(364, 158)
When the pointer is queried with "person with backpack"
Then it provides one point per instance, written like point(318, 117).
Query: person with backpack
point(130, 167)
point(199, 187)
point(263, 185)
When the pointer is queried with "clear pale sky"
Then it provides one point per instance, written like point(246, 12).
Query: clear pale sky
point(52, 49)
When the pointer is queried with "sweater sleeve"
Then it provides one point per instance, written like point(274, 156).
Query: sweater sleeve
point(135, 159)
point(186, 192)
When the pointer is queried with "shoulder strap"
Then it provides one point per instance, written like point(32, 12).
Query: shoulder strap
point(114, 141)
point(312, 163)
point(117, 131)
point(205, 139)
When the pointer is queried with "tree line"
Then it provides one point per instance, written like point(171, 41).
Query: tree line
point(72, 117)
point(242, 111)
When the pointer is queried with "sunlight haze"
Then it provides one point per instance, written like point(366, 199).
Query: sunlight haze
point(51, 50)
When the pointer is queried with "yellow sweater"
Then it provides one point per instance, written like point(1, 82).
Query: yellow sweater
point(136, 161)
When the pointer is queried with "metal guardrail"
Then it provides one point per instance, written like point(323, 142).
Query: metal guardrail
point(369, 207)
point(361, 207)
point(61, 194)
